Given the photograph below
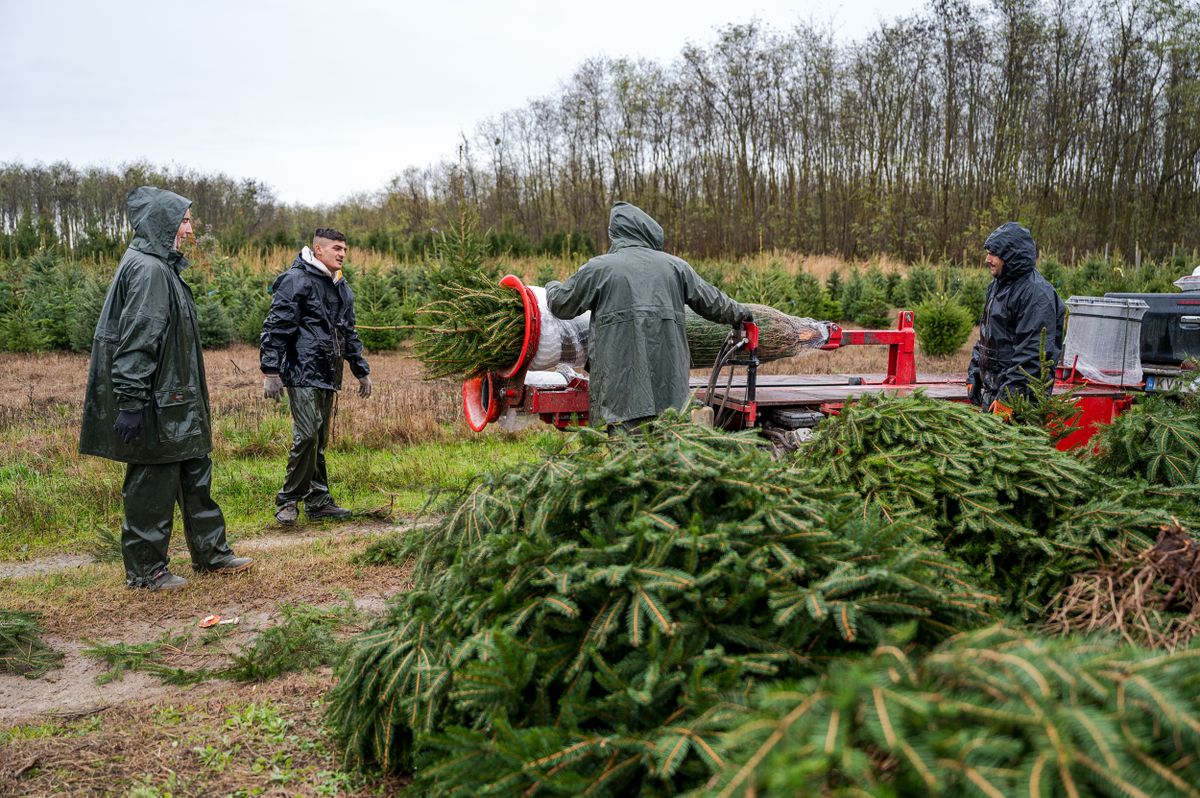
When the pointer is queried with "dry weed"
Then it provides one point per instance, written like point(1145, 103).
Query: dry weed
point(1150, 598)
point(193, 742)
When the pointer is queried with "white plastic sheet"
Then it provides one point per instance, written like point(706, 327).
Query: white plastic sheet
point(562, 341)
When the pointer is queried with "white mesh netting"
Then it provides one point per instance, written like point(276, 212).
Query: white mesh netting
point(1103, 342)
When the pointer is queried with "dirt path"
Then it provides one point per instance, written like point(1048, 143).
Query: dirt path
point(82, 601)
point(15, 569)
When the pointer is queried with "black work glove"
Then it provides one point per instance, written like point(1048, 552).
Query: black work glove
point(129, 425)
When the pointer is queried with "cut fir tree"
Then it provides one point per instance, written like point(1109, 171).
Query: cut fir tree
point(573, 623)
point(476, 325)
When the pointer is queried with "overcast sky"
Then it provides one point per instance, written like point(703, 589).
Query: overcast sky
point(324, 99)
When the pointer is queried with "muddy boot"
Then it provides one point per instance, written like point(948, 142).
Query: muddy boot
point(287, 514)
point(327, 512)
point(231, 566)
point(164, 580)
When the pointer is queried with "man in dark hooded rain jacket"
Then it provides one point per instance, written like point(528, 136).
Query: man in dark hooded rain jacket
point(307, 335)
point(1021, 310)
point(147, 400)
point(638, 354)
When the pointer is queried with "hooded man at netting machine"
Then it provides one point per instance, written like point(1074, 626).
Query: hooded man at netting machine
point(638, 354)
point(147, 400)
point(1021, 311)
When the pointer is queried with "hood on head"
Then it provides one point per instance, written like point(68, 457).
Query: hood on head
point(630, 226)
point(155, 215)
point(1014, 245)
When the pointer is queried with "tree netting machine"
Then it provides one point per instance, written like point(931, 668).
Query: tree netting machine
point(1101, 366)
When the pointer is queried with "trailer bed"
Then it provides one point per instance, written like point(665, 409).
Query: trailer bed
point(811, 391)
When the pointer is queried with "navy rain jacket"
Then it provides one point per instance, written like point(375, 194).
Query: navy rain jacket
point(309, 331)
point(1020, 305)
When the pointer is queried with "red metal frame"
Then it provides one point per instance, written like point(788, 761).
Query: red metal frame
point(1094, 412)
point(901, 343)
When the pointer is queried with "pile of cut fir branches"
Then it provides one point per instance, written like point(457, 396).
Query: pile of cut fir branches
point(1000, 497)
point(573, 624)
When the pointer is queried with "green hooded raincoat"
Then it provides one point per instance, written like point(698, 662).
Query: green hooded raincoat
point(638, 351)
point(146, 353)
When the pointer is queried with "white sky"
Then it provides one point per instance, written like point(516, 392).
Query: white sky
point(323, 100)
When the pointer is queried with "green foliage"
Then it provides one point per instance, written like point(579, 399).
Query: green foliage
point(22, 650)
point(574, 621)
point(834, 285)
point(1158, 440)
point(993, 712)
point(920, 284)
point(970, 291)
point(304, 640)
point(20, 330)
point(943, 325)
point(89, 295)
point(772, 286)
point(146, 657)
point(477, 326)
point(811, 299)
point(377, 304)
point(998, 496)
point(864, 299)
point(49, 302)
point(216, 327)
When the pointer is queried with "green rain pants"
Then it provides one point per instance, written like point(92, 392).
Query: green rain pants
point(306, 480)
point(151, 493)
point(631, 427)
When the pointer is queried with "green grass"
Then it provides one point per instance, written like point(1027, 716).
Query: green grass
point(50, 728)
point(54, 501)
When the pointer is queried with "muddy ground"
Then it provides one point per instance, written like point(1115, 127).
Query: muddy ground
point(67, 734)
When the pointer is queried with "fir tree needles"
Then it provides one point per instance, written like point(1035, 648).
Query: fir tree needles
point(997, 496)
point(993, 712)
point(22, 650)
point(477, 326)
point(573, 623)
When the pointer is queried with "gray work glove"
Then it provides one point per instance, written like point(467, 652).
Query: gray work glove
point(364, 386)
point(129, 425)
point(272, 386)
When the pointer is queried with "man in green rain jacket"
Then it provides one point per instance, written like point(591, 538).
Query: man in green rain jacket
point(147, 400)
point(637, 346)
